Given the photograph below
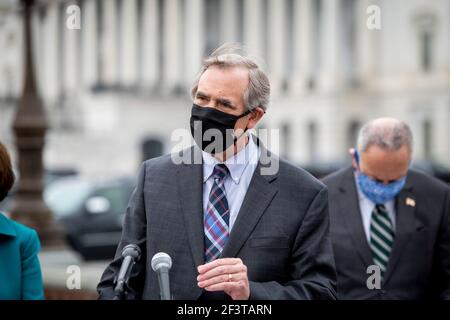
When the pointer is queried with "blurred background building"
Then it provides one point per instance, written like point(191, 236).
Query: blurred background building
point(116, 88)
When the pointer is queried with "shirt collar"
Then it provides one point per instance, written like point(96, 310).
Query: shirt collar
point(236, 164)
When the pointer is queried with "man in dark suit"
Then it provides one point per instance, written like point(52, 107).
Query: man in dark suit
point(389, 221)
point(238, 224)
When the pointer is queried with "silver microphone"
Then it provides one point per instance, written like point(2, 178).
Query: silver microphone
point(161, 264)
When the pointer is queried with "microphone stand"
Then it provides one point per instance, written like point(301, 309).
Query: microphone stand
point(120, 291)
point(121, 288)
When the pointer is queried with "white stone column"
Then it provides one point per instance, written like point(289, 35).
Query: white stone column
point(330, 49)
point(71, 57)
point(19, 65)
point(303, 45)
point(150, 67)
point(109, 48)
point(172, 45)
point(11, 56)
point(253, 26)
point(331, 130)
point(365, 41)
point(52, 54)
point(441, 118)
point(89, 43)
point(194, 38)
point(228, 25)
point(277, 44)
point(128, 43)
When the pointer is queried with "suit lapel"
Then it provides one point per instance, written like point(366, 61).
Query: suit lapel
point(190, 190)
point(259, 195)
point(351, 212)
point(405, 207)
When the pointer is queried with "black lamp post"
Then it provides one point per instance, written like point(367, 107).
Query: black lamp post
point(30, 126)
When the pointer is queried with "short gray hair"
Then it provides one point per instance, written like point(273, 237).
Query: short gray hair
point(386, 133)
point(228, 55)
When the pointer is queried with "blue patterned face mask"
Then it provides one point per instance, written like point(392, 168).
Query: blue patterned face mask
point(375, 191)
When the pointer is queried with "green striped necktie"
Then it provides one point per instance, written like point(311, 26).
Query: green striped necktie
point(381, 237)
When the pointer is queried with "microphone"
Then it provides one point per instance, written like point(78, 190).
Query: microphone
point(131, 254)
point(161, 264)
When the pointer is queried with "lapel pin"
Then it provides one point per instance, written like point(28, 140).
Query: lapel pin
point(410, 202)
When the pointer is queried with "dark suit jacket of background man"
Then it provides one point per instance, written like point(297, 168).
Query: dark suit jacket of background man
point(419, 264)
point(281, 233)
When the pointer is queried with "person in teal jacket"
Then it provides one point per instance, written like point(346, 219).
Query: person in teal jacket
point(20, 272)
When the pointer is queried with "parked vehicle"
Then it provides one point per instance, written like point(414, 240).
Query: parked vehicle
point(91, 212)
point(50, 176)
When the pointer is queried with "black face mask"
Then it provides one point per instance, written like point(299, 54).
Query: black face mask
point(212, 129)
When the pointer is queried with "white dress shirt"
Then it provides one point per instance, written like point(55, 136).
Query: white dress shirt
point(241, 167)
point(366, 206)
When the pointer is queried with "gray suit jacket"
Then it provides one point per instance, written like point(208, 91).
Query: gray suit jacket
point(281, 233)
point(419, 265)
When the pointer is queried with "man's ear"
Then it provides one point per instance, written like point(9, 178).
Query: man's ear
point(255, 116)
point(352, 153)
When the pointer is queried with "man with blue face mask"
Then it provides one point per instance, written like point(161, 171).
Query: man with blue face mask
point(390, 225)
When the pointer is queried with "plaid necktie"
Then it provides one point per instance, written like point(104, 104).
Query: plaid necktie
point(217, 216)
point(381, 237)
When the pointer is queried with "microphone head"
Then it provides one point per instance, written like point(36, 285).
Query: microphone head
point(161, 259)
point(131, 250)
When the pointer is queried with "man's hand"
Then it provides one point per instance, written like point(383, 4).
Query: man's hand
point(228, 275)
